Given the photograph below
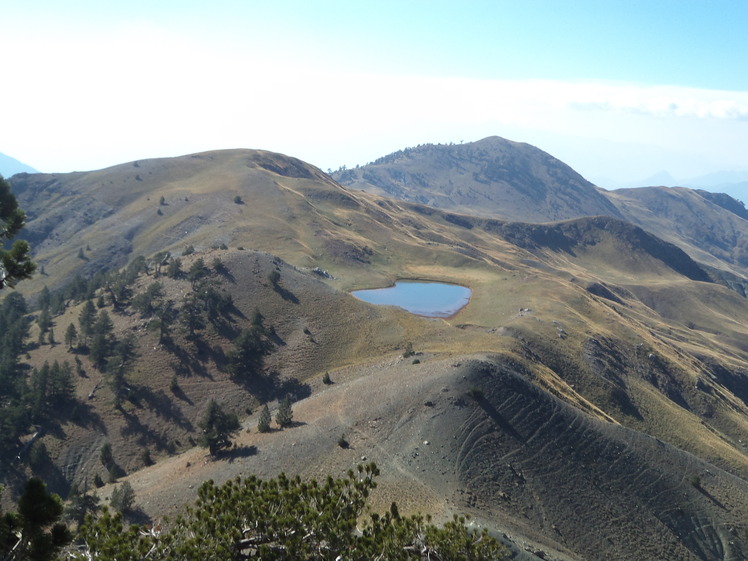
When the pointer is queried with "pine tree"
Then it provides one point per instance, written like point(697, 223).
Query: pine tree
point(79, 504)
point(294, 520)
point(284, 416)
point(263, 423)
point(61, 386)
point(86, 319)
point(105, 455)
point(247, 358)
point(191, 315)
point(45, 298)
point(123, 497)
point(71, 336)
point(174, 269)
point(36, 533)
point(218, 427)
point(15, 262)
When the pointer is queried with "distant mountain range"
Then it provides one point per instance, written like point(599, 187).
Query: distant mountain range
point(733, 183)
point(10, 166)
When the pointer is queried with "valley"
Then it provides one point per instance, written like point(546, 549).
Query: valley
point(589, 402)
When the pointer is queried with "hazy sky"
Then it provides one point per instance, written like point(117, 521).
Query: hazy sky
point(619, 89)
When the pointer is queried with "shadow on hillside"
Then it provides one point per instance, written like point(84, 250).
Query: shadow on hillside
point(271, 386)
point(621, 398)
point(179, 394)
point(55, 429)
point(83, 415)
point(227, 330)
point(676, 397)
point(225, 273)
point(237, 453)
point(497, 418)
point(709, 496)
point(52, 476)
point(137, 515)
point(147, 436)
point(234, 311)
point(163, 406)
point(187, 364)
point(294, 388)
point(285, 294)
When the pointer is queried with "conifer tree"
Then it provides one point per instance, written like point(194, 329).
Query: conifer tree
point(15, 262)
point(191, 316)
point(79, 504)
point(293, 520)
point(86, 320)
point(35, 533)
point(247, 358)
point(217, 428)
point(263, 423)
point(284, 416)
point(174, 269)
point(123, 497)
point(71, 336)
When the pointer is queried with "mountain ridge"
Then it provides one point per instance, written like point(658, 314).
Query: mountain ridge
point(584, 338)
point(678, 215)
point(508, 178)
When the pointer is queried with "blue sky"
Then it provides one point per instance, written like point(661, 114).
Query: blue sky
point(618, 89)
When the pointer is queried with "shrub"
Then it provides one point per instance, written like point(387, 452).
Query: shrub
point(476, 393)
point(145, 457)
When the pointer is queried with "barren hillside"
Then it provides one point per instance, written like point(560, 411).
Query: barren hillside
point(589, 402)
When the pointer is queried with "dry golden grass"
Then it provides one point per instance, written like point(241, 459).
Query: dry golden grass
point(646, 360)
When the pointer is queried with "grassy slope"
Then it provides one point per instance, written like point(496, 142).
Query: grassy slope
point(633, 362)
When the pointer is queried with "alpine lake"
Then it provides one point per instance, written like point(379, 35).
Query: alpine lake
point(422, 298)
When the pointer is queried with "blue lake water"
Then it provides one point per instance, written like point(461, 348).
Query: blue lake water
point(430, 299)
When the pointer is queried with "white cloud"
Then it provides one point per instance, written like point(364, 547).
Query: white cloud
point(139, 91)
point(662, 101)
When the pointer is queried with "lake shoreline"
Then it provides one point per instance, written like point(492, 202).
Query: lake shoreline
point(420, 297)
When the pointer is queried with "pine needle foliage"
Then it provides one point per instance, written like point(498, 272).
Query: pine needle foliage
point(217, 428)
point(263, 423)
point(284, 416)
point(34, 532)
point(15, 261)
point(289, 519)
